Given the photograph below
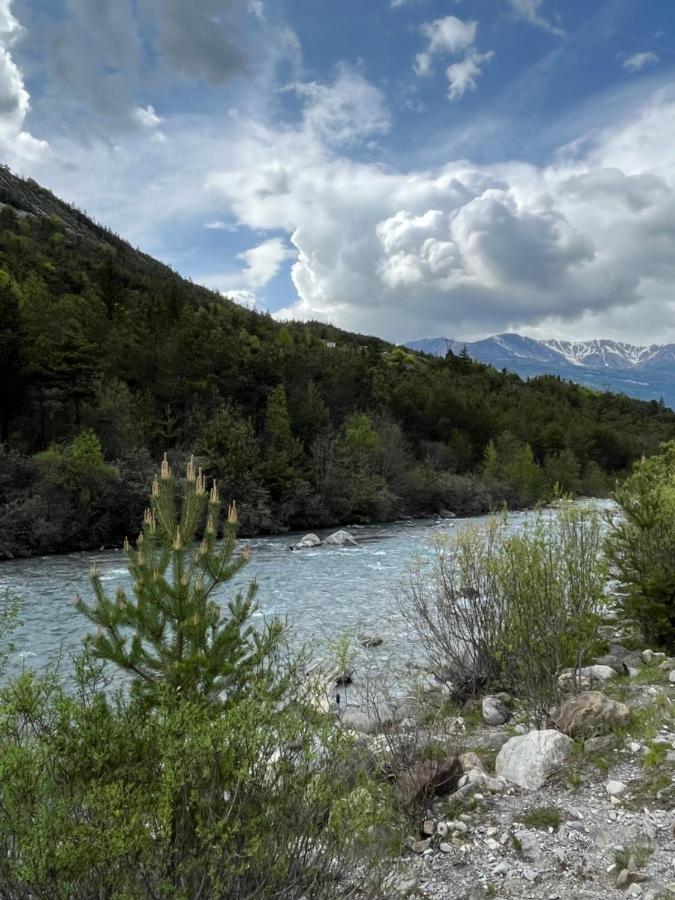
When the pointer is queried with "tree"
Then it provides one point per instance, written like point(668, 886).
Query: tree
point(283, 450)
point(173, 634)
point(11, 363)
point(641, 546)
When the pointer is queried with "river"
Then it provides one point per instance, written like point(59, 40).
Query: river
point(323, 593)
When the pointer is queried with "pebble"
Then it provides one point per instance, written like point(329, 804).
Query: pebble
point(615, 788)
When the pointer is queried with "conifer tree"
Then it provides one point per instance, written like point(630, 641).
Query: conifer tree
point(173, 634)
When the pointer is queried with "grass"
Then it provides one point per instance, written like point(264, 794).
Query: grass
point(655, 756)
point(640, 853)
point(542, 817)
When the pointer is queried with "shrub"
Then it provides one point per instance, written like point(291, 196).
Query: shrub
point(641, 546)
point(211, 772)
point(502, 608)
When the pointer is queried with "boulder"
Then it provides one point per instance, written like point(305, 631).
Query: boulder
point(527, 843)
point(614, 662)
point(671, 676)
point(370, 640)
point(591, 713)
point(601, 744)
point(615, 788)
point(309, 540)
point(341, 539)
point(429, 779)
point(598, 673)
point(494, 711)
point(529, 760)
point(651, 656)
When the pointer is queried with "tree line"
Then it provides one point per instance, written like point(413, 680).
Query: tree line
point(108, 358)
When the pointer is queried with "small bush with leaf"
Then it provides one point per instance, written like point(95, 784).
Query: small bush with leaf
point(510, 609)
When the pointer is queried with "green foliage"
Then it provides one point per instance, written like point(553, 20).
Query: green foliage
point(542, 817)
point(214, 776)
point(505, 609)
point(304, 424)
point(174, 635)
point(641, 546)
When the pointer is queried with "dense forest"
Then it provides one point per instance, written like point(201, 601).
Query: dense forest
point(109, 358)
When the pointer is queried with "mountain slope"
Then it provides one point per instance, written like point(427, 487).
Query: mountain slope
point(109, 358)
point(647, 373)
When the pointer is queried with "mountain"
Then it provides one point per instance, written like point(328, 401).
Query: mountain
point(647, 373)
point(109, 358)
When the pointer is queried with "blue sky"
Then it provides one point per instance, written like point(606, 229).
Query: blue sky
point(403, 167)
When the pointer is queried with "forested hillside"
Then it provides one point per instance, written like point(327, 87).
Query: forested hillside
point(108, 358)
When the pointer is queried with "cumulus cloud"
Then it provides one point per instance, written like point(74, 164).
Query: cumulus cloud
point(348, 111)
point(17, 144)
point(462, 76)
point(530, 11)
point(639, 61)
point(469, 249)
point(264, 262)
point(242, 297)
point(444, 36)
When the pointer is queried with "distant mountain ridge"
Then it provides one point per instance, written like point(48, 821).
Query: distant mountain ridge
point(647, 373)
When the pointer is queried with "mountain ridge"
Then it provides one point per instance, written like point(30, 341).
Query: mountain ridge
point(646, 372)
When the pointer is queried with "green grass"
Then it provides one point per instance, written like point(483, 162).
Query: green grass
point(542, 817)
point(655, 756)
point(640, 852)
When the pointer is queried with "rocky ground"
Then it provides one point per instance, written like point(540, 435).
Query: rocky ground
point(543, 815)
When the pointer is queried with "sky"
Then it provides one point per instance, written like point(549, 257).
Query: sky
point(405, 168)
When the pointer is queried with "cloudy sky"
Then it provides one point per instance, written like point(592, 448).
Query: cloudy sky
point(408, 168)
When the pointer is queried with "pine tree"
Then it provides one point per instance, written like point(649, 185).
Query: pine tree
point(173, 635)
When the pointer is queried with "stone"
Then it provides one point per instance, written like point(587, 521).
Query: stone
point(429, 779)
point(529, 760)
point(445, 848)
point(470, 761)
point(671, 676)
point(626, 878)
point(614, 662)
point(370, 640)
point(502, 868)
point(615, 788)
point(528, 845)
point(341, 539)
point(652, 656)
point(428, 827)
point(598, 673)
point(591, 711)
point(568, 682)
point(456, 826)
point(601, 743)
point(309, 540)
point(494, 711)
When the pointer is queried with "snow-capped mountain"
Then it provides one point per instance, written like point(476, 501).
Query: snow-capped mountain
point(644, 372)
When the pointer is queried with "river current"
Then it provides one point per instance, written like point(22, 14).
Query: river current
point(322, 593)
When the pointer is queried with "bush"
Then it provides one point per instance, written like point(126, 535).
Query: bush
point(505, 609)
point(641, 546)
point(211, 772)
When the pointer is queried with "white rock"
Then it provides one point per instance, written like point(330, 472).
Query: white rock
point(309, 540)
point(529, 760)
point(445, 848)
point(598, 673)
point(341, 539)
point(494, 711)
point(671, 676)
point(615, 788)
point(528, 845)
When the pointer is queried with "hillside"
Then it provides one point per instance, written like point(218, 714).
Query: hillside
point(647, 373)
point(109, 358)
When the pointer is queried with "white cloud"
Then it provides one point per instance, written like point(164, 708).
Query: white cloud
point(146, 116)
point(348, 111)
point(462, 76)
point(529, 10)
point(243, 298)
point(639, 61)
point(264, 262)
point(18, 146)
point(444, 36)
point(467, 249)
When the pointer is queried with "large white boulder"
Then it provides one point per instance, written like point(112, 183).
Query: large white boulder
point(309, 540)
point(530, 759)
point(341, 539)
point(494, 711)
